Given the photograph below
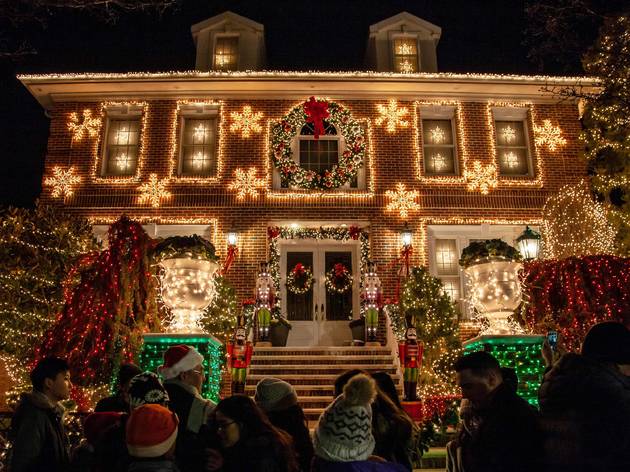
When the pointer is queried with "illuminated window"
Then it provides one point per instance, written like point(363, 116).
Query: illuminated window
point(512, 150)
point(446, 257)
point(405, 55)
point(226, 53)
point(198, 156)
point(452, 288)
point(122, 145)
point(438, 147)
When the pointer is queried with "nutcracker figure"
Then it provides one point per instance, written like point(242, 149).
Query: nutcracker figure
point(372, 295)
point(239, 352)
point(410, 353)
point(265, 298)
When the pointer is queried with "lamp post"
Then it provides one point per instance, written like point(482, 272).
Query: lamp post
point(529, 244)
point(232, 249)
point(406, 235)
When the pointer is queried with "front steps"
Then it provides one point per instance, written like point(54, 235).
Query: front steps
point(313, 370)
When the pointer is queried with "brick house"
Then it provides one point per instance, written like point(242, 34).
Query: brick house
point(468, 156)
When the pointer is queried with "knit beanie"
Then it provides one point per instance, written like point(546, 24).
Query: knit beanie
point(146, 388)
point(274, 394)
point(151, 431)
point(344, 431)
point(97, 424)
point(607, 342)
point(178, 359)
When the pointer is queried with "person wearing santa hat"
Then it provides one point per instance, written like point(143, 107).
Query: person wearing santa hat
point(183, 377)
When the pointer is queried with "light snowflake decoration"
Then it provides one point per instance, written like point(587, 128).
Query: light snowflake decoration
point(62, 182)
point(439, 162)
point(123, 162)
point(407, 67)
point(402, 200)
point(510, 159)
point(198, 160)
point(393, 115)
point(246, 183)
point(246, 122)
point(482, 178)
point(153, 192)
point(199, 133)
point(405, 49)
point(509, 134)
point(437, 135)
point(549, 135)
point(89, 125)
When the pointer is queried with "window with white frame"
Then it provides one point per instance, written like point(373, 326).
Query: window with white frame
point(446, 243)
point(405, 53)
point(438, 147)
point(512, 143)
point(226, 53)
point(197, 154)
point(122, 142)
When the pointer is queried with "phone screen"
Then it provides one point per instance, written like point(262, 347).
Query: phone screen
point(552, 339)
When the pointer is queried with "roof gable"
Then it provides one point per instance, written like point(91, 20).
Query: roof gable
point(405, 18)
point(226, 17)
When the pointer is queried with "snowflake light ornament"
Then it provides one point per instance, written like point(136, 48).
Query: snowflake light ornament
point(511, 160)
point(393, 115)
point(509, 134)
point(62, 182)
point(437, 135)
point(153, 192)
point(402, 200)
point(482, 178)
point(549, 135)
point(246, 183)
point(246, 122)
point(89, 125)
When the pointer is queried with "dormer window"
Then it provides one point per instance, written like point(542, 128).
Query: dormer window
point(226, 53)
point(405, 55)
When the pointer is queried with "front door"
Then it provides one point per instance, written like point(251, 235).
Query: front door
point(319, 317)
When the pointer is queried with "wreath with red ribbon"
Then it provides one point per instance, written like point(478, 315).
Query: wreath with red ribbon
point(319, 113)
point(300, 279)
point(338, 279)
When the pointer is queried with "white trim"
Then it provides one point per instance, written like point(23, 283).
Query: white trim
point(120, 112)
point(199, 111)
point(522, 115)
point(230, 34)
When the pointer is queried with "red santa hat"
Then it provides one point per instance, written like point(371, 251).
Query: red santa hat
point(178, 359)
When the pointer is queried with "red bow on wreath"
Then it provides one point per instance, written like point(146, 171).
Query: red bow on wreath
point(340, 270)
point(316, 113)
point(298, 269)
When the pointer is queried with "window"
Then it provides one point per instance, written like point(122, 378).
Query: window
point(321, 154)
point(198, 146)
point(122, 143)
point(438, 147)
point(226, 53)
point(512, 148)
point(405, 55)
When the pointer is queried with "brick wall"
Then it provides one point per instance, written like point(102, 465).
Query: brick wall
point(394, 159)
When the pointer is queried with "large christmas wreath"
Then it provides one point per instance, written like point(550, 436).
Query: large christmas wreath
point(319, 113)
point(338, 279)
point(300, 279)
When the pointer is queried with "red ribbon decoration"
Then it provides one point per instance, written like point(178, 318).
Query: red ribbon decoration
point(316, 113)
point(299, 270)
point(229, 259)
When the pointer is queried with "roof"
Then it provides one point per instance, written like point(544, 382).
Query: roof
point(405, 17)
point(223, 18)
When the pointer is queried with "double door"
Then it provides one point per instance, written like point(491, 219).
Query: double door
point(319, 316)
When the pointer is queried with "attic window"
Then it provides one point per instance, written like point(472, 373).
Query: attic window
point(405, 55)
point(226, 53)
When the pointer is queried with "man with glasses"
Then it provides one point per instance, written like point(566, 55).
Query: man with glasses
point(184, 375)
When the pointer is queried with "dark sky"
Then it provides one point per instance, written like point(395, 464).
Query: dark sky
point(477, 36)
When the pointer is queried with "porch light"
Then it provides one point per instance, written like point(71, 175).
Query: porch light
point(529, 243)
point(406, 235)
point(232, 236)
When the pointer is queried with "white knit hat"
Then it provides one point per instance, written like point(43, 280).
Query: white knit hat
point(274, 394)
point(178, 359)
point(344, 431)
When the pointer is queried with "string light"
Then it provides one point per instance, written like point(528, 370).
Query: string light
point(482, 178)
point(437, 135)
point(89, 125)
point(402, 200)
point(62, 182)
point(154, 191)
point(392, 115)
point(246, 183)
point(549, 135)
point(509, 134)
point(247, 122)
point(510, 159)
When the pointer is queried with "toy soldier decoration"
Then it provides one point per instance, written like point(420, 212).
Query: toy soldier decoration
point(410, 353)
point(373, 296)
point(265, 298)
point(240, 354)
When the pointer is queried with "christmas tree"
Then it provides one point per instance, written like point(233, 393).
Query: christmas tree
point(219, 319)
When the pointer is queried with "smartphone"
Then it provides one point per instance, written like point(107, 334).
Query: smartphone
point(552, 339)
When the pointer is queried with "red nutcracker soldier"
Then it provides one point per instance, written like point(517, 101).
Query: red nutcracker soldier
point(239, 352)
point(410, 353)
point(265, 298)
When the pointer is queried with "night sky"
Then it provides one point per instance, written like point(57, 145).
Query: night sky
point(477, 36)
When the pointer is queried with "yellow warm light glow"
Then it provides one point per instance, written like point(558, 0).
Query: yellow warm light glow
point(482, 178)
point(154, 191)
point(392, 115)
point(402, 200)
point(200, 132)
point(246, 183)
point(90, 125)
point(407, 67)
point(247, 122)
point(509, 134)
point(549, 135)
point(437, 135)
point(62, 182)
point(510, 159)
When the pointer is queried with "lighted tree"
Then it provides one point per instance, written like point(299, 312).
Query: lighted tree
point(424, 298)
point(219, 319)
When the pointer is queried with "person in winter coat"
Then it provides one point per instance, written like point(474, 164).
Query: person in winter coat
point(585, 404)
point(120, 400)
point(39, 439)
point(507, 438)
point(151, 434)
point(95, 427)
point(245, 440)
point(343, 438)
point(279, 401)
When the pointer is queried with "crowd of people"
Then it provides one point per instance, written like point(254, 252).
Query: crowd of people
point(162, 423)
